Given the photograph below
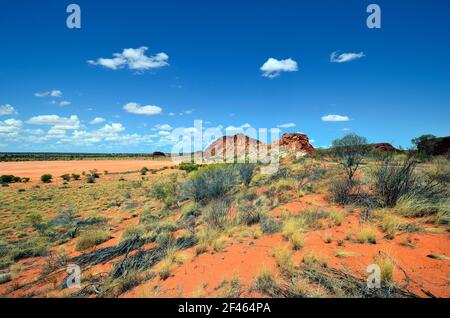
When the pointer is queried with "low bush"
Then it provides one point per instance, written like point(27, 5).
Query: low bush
point(367, 234)
point(211, 182)
point(66, 177)
point(90, 239)
point(246, 171)
point(390, 224)
point(216, 213)
point(46, 178)
point(75, 176)
point(269, 225)
point(248, 213)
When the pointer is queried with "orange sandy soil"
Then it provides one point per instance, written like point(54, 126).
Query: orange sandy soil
point(35, 169)
point(203, 275)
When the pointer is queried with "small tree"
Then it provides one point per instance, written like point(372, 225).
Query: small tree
point(46, 178)
point(66, 177)
point(350, 151)
point(418, 140)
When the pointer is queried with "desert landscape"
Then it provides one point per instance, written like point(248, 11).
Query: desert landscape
point(156, 228)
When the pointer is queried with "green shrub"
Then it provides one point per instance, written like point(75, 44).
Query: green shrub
point(269, 225)
point(216, 213)
point(246, 172)
point(46, 178)
point(248, 214)
point(66, 177)
point(211, 182)
point(90, 239)
point(188, 166)
point(75, 176)
point(144, 171)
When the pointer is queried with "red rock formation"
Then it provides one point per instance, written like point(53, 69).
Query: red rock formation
point(295, 142)
point(235, 146)
point(385, 147)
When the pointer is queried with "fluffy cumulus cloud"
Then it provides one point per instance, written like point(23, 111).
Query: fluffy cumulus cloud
point(335, 57)
point(137, 109)
point(335, 118)
point(7, 109)
point(134, 59)
point(273, 67)
point(287, 125)
point(52, 93)
point(63, 123)
point(10, 127)
point(97, 120)
point(165, 127)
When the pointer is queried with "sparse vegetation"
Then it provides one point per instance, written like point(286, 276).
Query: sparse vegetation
point(46, 178)
point(367, 234)
point(90, 239)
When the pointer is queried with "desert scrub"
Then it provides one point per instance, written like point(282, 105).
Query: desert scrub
point(283, 258)
point(210, 182)
point(46, 178)
point(232, 288)
point(205, 238)
point(269, 225)
point(297, 240)
point(291, 226)
point(367, 234)
point(90, 239)
point(387, 266)
point(310, 258)
point(265, 281)
point(132, 233)
point(390, 224)
point(245, 172)
point(36, 246)
point(216, 213)
point(342, 190)
point(248, 213)
point(336, 216)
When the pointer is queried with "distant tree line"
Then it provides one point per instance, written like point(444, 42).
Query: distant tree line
point(39, 156)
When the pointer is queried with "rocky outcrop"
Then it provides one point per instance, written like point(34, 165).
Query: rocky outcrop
point(158, 154)
point(240, 146)
point(295, 143)
point(384, 147)
point(232, 147)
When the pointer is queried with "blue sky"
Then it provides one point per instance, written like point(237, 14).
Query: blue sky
point(204, 61)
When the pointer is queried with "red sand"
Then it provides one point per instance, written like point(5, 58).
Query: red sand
point(34, 169)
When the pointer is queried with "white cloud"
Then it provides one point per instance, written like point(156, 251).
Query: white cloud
point(7, 109)
point(10, 127)
point(64, 103)
point(52, 93)
point(171, 114)
point(345, 129)
point(287, 125)
point(63, 123)
point(335, 118)
point(345, 57)
point(163, 133)
point(166, 127)
point(97, 120)
point(134, 59)
point(273, 67)
point(149, 110)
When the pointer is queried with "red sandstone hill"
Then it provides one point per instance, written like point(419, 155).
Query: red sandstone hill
point(296, 143)
point(384, 147)
point(240, 145)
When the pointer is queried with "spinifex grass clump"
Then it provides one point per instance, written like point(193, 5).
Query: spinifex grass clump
point(211, 182)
